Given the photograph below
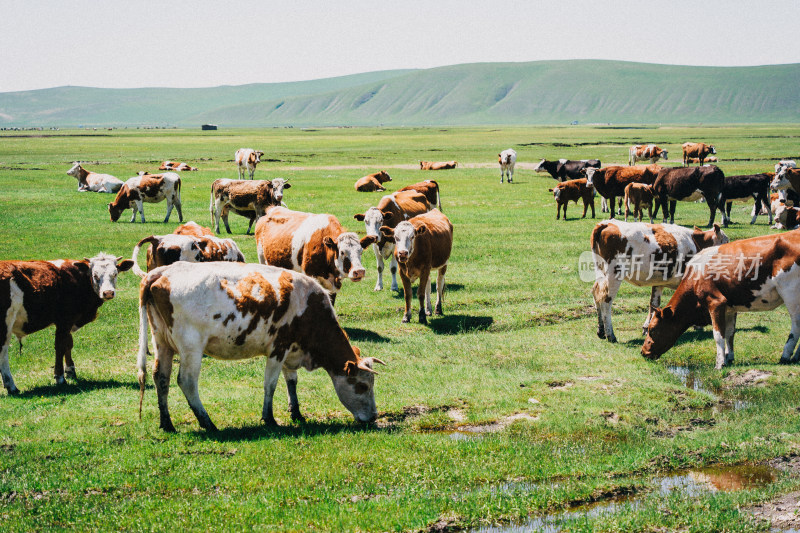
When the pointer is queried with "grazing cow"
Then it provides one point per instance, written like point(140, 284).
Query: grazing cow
point(168, 249)
point(437, 165)
point(193, 228)
point(422, 244)
point(610, 182)
point(246, 198)
point(572, 191)
point(642, 152)
point(756, 274)
point(641, 196)
point(507, 160)
point(373, 182)
point(645, 255)
point(688, 185)
point(150, 188)
point(429, 188)
point(247, 159)
point(175, 166)
point(697, 151)
point(316, 245)
point(566, 169)
point(390, 211)
point(745, 188)
point(238, 311)
point(92, 181)
point(64, 293)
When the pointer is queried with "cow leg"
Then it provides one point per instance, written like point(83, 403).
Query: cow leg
point(592, 204)
point(63, 346)
point(604, 291)
point(440, 289)
point(511, 174)
point(271, 374)
point(424, 280)
point(649, 212)
point(290, 376)
point(718, 326)
point(672, 205)
point(730, 331)
point(603, 204)
point(162, 370)
point(502, 174)
point(379, 261)
point(565, 204)
point(793, 306)
point(655, 302)
point(169, 210)
point(179, 207)
point(249, 226)
point(188, 377)
point(428, 308)
point(558, 210)
point(5, 368)
point(407, 295)
point(585, 208)
point(393, 270)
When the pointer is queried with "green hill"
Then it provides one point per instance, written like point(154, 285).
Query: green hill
point(542, 92)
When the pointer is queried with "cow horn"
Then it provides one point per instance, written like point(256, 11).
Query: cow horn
point(362, 365)
point(118, 259)
point(376, 360)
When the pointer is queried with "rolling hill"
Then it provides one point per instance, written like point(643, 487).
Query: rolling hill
point(542, 92)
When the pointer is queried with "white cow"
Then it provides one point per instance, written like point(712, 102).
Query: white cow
point(247, 159)
point(507, 160)
point(92, 181)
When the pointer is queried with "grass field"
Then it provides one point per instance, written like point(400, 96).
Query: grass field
point(594, 420)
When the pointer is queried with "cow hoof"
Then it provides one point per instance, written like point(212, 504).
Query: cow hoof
point(70, 373)
point(428, 312)
point(439, 311)
point(406, 320)
point(13, 391)
point(601, 334)
point(270, 422)
point(167, 426)
point(60, 380)
point(612, 339)
point(785, 361)
point(297, 417)
point(422, 318)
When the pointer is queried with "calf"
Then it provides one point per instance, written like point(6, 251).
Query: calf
point(698, 151)
point(429, 188)
point(373, 182)
point(92, 181)
point(237, 311)
point(645, 255)
point(168, 249)
point(641, 196)
point(688, 185)
point(610, 182)
point(175, 166)
point(316, 245)
point(64, 293)
point(390, 211)
point(507, 160)
point(246, 198)
point(150, 188)
point(437, 165)
point(756, 274)
point(745, 188)
point(422, 244)
point(246, 160)
point(572, 191)
point(642, 152)
point(566, 169)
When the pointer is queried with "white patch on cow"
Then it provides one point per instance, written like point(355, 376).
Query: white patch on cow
point(404, 235)
point(562, 161)
point(104, 275)
point(302, 235)
point(373, 220)
point(350, 247)
point(57, 262)
point(780, 181)
point(590, 175)
point(696, 195)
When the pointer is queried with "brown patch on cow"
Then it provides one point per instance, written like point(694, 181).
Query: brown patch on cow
point(607, 241)
point(248, 304)
point(159, 290)
point(217, 316)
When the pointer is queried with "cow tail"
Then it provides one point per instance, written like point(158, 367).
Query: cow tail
point(438, 197)
point(151, 240)
point(141, 359)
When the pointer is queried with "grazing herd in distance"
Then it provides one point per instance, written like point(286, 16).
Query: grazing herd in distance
point(198, 296)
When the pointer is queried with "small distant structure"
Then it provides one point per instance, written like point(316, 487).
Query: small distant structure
point(209, 127)
point(574, 123)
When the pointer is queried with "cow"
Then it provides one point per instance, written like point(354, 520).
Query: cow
point(422, 244)
point(744, 188)
point(786, 217)
point(247, 159)
point(709, 159)
point(243, 310)
point(316, 245)
point(610, 182)
point(786, 178)
point(175, 166)
point(193, 228)
point(507, 160)
point(150, 188)
point(566, 169)
point(65, 293)
point(688, 185)
point(168, 249)
point(572, 191)
point(246, 198)
point(698, 151)
point(429, 188)
point(373, 182)
point(641, 152)
point(645, 255)
point(390, 211)
point(92, 181)
point(437, 165)
point(756, 274)
point(641, 196)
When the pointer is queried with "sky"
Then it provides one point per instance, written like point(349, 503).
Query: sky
point(201, 43)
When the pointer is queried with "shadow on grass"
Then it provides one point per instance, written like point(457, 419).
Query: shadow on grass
point(455, 324)
point(454, 287)
point(304, 429)
point(77, 387)
point(365, 335)
point(693, 335)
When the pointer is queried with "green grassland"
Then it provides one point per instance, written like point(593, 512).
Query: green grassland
point(517, 338)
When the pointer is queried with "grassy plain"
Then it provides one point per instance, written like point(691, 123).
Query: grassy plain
point(518, 337)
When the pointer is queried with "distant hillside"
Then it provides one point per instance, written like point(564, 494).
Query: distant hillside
point(542, 92)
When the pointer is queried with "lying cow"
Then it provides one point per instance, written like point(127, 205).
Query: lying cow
point(690, 184)
point(645, 255)
point(247, 159)
point(373, 182)
point(756, 274)
point(64, 293)
point(566, 169)
point(150, 188)
point(643, 152)
point(698, 151)
point(507, 160)
point(92, 181)
point(610, 182)
point(572, 191)
point(316, 245)
point(238, 311)
point(709, 159)
point(176, 166)
point(437, 165)
point(786, 217)
point(422, 244)
point(429, 188)
point(168, 249)
point(249, 199)
point(641, 196)
point(390, 211)
point(745, 188)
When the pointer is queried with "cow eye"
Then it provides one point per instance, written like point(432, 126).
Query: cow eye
point(361, 388)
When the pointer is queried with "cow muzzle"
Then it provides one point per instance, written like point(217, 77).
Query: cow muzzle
point(108, 295)
point(357, 274)
point(402, 257)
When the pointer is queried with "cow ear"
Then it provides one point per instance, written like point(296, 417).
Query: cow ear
point(369, 239)
point(422, 229)
point(697, 229)
point(350, 368)
point(387, 216)
point(667, 313)
point(125, 265)
point(287, 185)
point(387, 232)
point(327, 241)
point(716, 228)
point(358, 216)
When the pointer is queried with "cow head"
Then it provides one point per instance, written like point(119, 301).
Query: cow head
point(373, 220)
point(383, 177)
point(712, 149)
point(664, 155)
point(346, 251)
point(115, 209)
point(278, 185)
point(589, 172)
point(255, 157)
point(780, 181)
point(664, 330)
point(104, 269)
point(75, 171)
point(355, 386)
point(540, 166)
point(403, 235)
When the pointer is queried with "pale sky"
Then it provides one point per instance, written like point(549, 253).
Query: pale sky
point(204, 43)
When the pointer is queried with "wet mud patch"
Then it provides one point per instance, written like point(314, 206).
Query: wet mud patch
point(782, 513)
point(752, 377)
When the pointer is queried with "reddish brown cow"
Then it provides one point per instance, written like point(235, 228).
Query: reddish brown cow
point(610, 182)
point(641, 196)
point(429, 188)
point(697, 151)
point(437, 165)
point(572, 191)
point(373, 182)
point(175, 166)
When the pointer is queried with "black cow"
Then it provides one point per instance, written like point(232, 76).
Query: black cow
point(566, 169)
point(743, 188)
point(688, 184)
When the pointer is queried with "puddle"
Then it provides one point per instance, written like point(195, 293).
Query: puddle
point(690, 378)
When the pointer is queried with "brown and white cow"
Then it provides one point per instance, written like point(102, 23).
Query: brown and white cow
point(645, 255)
point(249, 199)
point(193, 228)
point(247, 159)
point(643, 152)
point(390, 211)
point(756, 274)
point(175, 166)
point(610, 182)
point(786, 217)
point(429, 188)
point(641, 196)
point(688, 185)
point(150, 188)
point(507, 159)
point(373, 182)
point(168, 249)
point(437, 165)
point(65, 293)
point(92, 181)
point(572, 191)
point(422, 244)
point(698, 151)
point(316, 245)
point(240, 310)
